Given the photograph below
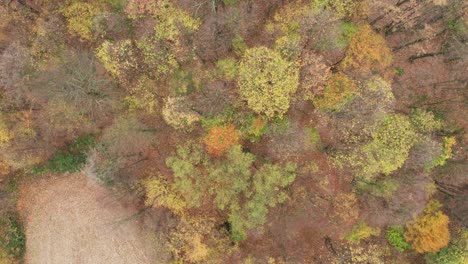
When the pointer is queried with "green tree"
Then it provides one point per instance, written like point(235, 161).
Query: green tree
point(395, 237)
point(267, 81)
point(188, 179)
point(231, 177)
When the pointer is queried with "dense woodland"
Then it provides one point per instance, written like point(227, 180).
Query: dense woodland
point(249, 131)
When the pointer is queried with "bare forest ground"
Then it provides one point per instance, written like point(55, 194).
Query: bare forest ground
point(72, 219)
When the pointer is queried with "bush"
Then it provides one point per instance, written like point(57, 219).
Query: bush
point(395, 237)
point(70, 159)
point(267, 81)
point(361, 231)
point(429, 232)
point(12, 237)
point(220, 139)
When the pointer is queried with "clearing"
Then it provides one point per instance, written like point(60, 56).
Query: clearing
point(72, 219)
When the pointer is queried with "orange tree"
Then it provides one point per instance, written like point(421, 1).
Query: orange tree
point(367, 51)
point(430, 232)
point(220, 139)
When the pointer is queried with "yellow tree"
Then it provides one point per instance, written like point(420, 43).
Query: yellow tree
point(429, 232)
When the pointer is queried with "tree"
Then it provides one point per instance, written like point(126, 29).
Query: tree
point(177, 113)
point(80, 17)
point(267, 81)
point(161, 193)
point(392, 139)
point(339, 91)
point(189, 181)
point(367, 51)
point(118, 57)
point(268, 185)
point(340, 7)
point(220, 139)
point(231, 178)
point(424, 121)
point(314, 75)
point(455, 253)
point(429, 232)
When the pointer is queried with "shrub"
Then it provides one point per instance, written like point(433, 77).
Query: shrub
point(70, 159)
point(12, 237)
point(177, 114)
point(339, 91)
point(5, 135)
point(220, 139)
point(267, 81)
point(314, 135)
point(395, 237)
point(361, 231)
point(429, 232)
point(238, 45)
point(367, 51)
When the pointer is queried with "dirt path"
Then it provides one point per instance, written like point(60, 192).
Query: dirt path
point(72, 219)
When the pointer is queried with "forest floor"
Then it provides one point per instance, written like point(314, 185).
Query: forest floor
point(72, 219)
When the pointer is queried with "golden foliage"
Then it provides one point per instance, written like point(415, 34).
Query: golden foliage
point(339, 91)
point(429, 232)
point(79, 17)
point(267, 81)
point(367, 51)
point(160, 193)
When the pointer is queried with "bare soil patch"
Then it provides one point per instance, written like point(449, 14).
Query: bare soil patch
point(72, 219)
